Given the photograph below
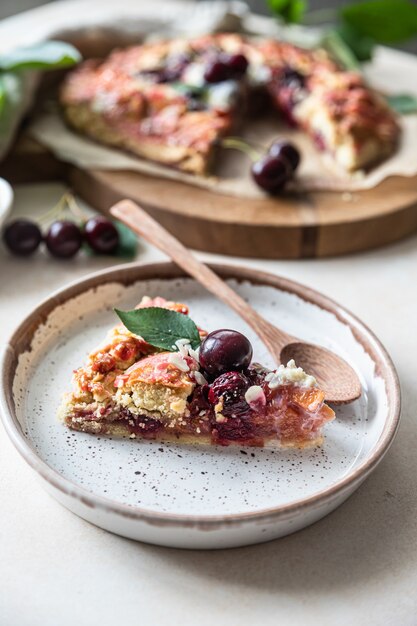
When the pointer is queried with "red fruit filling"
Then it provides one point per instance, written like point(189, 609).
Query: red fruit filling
point(229, 390)
point(142, 425)
point(236, 430)
point(221, 412)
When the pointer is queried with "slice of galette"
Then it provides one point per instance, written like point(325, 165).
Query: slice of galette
point(157, 376)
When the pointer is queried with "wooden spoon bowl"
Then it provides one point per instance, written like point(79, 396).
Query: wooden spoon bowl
point(333, 374)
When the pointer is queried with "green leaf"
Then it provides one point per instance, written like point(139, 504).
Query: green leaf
point(128, 242)
point(403, 103)
point(15, 94)
point(47, 55)
point(337, 48)
point(161, 328)
point(360, 45)
point(3, 95)
point(384, 21)
point(17, 87)
point(290, 11)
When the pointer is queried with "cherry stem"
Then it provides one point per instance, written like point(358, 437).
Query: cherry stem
point(54, 212)
point(66, 201)
point(74, 207)
point(243, 146)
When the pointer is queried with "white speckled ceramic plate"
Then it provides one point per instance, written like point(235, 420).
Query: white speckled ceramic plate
point(190, 496)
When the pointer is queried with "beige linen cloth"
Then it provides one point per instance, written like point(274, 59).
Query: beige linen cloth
point(390, 72)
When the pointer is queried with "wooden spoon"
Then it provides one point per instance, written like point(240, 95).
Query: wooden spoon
point(336, 377)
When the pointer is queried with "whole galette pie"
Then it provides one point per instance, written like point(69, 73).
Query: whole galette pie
point(172, 101)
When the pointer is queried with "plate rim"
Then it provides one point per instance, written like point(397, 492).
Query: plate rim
point(129, 273)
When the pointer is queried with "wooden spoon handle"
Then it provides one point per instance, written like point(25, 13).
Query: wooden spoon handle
point(143, 224)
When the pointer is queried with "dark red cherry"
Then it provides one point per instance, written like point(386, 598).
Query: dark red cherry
point(63, 239)
point(22, 237)
point(224, 67)
point(101, 234)
point(216, 71)
point(286, 150)
point(271, 173)
point(229, 387)
point(225, 350)
point(237, 64)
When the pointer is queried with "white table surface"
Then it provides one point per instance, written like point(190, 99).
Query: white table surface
point(357, 566)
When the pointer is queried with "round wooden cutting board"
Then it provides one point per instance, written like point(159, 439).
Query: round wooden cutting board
point(295, 226)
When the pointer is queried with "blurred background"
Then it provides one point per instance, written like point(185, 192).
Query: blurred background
point(11, 7)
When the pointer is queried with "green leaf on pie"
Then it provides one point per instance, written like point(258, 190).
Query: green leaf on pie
point(403, 103)
point(384, 21)
point(289, 11)
point(161, 328)
point(47, 55)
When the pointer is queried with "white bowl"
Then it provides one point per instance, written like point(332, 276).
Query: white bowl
point(6, 200)
point(191, 496)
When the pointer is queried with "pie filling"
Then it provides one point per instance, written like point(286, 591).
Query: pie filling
point(130, 389)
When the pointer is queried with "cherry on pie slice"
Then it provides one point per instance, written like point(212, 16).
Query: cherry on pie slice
point(129, 388)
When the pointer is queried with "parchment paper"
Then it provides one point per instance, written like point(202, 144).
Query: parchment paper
point(389, 72)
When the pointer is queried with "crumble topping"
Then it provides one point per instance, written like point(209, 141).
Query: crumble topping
point(194, 354)
point(193, 75)
point(290, 374)
point(255, 395)
point(185, 349)
point(223, 95)
point(154, 400)
point(199, 378)
point(183, 346)
point(178, 360)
